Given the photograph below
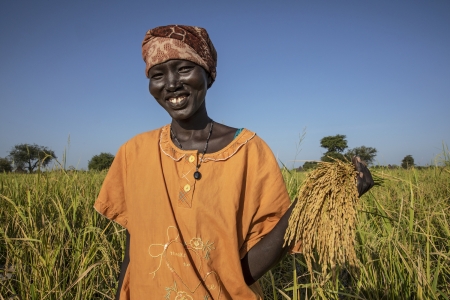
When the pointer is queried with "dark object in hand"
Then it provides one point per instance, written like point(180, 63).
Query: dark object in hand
point(364, 179)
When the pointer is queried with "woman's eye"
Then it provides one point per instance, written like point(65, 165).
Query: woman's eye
point(156, 76)
point(185, 69)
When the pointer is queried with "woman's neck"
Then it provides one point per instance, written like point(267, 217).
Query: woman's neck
point(194, 128)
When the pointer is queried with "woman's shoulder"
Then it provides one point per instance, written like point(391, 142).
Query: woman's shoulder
point(222, 135)
point(240, 135)
point(255, 146)
point(145, 138)
point(246, 143)
point(255, 142)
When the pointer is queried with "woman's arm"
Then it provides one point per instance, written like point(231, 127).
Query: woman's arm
point(269, 251)
point(125, 262)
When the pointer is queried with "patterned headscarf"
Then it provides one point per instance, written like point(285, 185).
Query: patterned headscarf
point(191, 43)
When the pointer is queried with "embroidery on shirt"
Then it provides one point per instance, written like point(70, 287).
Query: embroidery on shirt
point(187, 181)
point(176, 154)
point(164, 140)
point(207, 248)
point(180, 295)
point(230, 152)
point(174, 254)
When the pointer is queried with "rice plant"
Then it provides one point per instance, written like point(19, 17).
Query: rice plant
point(324, 217)
point(53, 245)
point(402, 244)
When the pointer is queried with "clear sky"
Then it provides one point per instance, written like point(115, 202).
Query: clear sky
point(375, 71)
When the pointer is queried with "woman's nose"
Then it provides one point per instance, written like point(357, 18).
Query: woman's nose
point(173, 83)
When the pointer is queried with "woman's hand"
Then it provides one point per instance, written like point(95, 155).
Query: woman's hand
point(270, 250)
point(364, 178)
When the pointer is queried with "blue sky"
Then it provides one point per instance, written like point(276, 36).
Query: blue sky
point(375, 71)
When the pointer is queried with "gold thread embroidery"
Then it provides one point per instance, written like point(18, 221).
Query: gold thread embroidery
point(237, 147)
point(165, 246)
point(207, 248)
point(185, 175)
point(182, 197)
point(166, 147)
point(171, 289)
point(195, 246)
point(187, 183)
point(196, 243)
point(183, 296)
point(162, 148)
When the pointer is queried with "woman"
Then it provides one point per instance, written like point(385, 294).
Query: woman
point(204, 204)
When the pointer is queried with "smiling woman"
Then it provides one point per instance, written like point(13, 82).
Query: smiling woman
point(180, 88)
point(205, 205)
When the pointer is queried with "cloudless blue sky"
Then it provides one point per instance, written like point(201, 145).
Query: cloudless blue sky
point(375, 71)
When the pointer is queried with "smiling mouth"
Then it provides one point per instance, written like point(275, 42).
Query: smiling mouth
point(177, 100)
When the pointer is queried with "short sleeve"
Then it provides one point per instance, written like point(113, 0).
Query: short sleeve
point(266, 195)
point(111, 201)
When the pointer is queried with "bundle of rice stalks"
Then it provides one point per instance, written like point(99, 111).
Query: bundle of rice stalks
point(325, 215)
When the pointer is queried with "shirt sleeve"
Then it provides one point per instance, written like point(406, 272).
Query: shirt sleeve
point(266, 198)
point(111, 201)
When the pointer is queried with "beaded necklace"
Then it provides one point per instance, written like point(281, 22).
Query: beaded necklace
point(197, 174)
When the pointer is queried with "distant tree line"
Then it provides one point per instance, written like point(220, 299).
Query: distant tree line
point(408, 162)
point(5, 165)
point(101, 161)
point(336, 147)
point(27, 158)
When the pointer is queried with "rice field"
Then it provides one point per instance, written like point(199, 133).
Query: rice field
point(53, 245)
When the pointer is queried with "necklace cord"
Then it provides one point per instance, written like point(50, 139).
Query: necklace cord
point(197, 174)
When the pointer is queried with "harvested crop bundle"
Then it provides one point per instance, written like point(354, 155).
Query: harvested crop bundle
point(324, 217)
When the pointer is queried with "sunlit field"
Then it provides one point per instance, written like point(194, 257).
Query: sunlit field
point(53, 245)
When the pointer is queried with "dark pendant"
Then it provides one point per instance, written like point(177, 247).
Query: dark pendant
point(197, 175)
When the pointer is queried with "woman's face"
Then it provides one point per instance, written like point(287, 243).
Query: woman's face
point(179, 86)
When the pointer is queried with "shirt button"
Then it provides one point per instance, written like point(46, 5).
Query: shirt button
point(187, 188)
point(191, 158)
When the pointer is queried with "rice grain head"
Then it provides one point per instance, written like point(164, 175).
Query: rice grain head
point(324, 218)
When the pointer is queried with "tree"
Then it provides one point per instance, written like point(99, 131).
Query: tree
point(335, 145)
point(309, 165)
point(408, 162)
point(5, 165)
point(101, 161)
point(332, 156)
point(29, 157)
point(367, 154)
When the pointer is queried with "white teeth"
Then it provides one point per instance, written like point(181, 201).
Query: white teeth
point(177, 100)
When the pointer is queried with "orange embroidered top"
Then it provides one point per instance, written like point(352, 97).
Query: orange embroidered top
point(187, 237)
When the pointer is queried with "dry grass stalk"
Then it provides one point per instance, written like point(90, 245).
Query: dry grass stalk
point(324, 217)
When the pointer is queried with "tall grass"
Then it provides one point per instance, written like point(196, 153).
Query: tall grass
point(403, 244)
point(53, 245)
point(52, 242)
